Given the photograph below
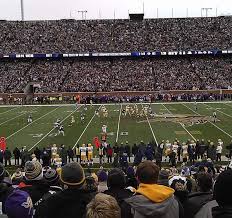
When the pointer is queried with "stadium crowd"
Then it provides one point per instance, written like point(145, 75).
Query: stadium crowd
point(116, 74)
point(197, 191)
point(115, 35)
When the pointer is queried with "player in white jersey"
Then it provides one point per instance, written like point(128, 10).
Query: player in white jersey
point(57, 124)
point(83, 153)
point(175, 147)
point(167, 149)
point(72, 121)
point(54, 151)
point(104, 129)
point(90, 154)
point(220, 142)
point(105, 112)
point(29, 119)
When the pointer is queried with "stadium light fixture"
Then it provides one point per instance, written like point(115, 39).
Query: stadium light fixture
point(22, 9)
point(206, 11)
point(83, 14)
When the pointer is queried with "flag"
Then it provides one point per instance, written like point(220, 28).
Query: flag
point(3, 143)
point(96, 142)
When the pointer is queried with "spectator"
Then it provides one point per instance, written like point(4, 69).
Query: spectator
point(222, 194)
point(194, 205)
point(66, 203)
point(103, 206)
point(150, 199)
point(34, 183)
point(19, 205)
point(116, 183)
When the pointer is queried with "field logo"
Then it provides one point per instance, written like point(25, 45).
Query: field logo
point(36, 135)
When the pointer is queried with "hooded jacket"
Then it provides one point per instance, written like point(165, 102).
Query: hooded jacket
point(153, 201)
point(195, 202)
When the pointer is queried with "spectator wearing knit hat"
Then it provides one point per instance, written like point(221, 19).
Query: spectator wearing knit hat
point(222, 193)
point(34, 183)
point(151, 199)
point(51, 177)
point(102, 180)
point(116, 183)
point(72, 201)
point(19, 205)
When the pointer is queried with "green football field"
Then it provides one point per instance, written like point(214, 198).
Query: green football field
point(170, 121)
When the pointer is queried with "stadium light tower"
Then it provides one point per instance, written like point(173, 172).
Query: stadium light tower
point(83, 14)
point(22, 9)
point(206, 11)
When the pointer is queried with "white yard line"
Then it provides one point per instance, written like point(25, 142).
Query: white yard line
point(32, 123)
point(17, 116)
point(53, 129)
point(180, 123)
point(119, 119)
point(85, 128)
point(219, 111)
point(8, 111)
point(209, 121)
point(152, 130)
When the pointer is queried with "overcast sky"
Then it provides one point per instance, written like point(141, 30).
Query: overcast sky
point(107, 9)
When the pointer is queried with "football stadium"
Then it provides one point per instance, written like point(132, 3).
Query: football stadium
point(123, 113)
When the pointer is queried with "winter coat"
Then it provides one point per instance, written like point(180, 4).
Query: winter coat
point(70, 203)
point(151, 200)
point(135, 150)
point(70, 153)
point(36, 189)
point(206, 210)
point(16, 153)
point(149, 153)
point(211, 153)
point(7, 154)
point(37, 153)
point(127, 150)
point(222, 212)
point(195, 202)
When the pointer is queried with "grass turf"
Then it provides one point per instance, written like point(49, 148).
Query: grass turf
point(41, 132)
